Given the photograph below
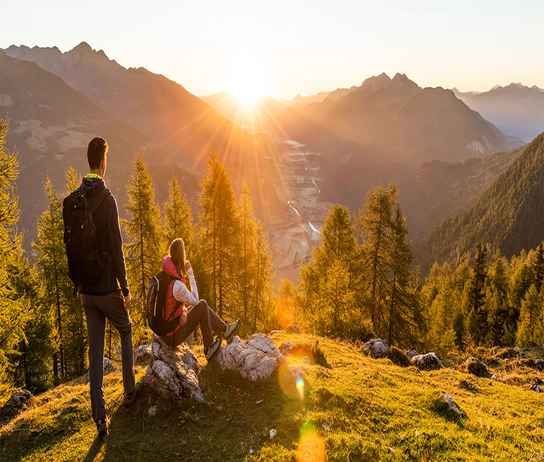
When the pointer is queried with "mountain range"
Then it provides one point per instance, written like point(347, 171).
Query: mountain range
point(516, 109)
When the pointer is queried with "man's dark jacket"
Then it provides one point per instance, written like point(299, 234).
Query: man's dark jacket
point(109, 234)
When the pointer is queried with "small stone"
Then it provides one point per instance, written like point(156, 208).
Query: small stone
point(261, 401)
point(326, 426)
point(152, 411)
point(272, 433)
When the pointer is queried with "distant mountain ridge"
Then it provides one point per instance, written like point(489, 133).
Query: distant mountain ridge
point(162, 109)
point(509, 215)
point(516, 109)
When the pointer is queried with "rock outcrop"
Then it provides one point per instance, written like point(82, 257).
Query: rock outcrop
point(173, 373)
point(16, 402)
point(256, 358)
point(427, 362)
point(376, 348)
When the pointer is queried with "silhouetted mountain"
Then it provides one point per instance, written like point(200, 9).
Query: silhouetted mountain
point(394, 120)
point(509, 215)
point(515, 109)
point(321, 96)
point(51, 125)
point(162, 109)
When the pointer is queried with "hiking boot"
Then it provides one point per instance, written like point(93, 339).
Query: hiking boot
point(102, 427)
point(131, 397)
point(231, 330)
point(212, 351)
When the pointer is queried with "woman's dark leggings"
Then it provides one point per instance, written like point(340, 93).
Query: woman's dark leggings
point(210, 324)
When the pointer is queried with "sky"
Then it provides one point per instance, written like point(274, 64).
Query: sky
point(283, 48)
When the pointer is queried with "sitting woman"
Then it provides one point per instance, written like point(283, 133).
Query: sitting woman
point(175, 265)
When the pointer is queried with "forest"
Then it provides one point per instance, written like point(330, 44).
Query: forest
point(360, 281)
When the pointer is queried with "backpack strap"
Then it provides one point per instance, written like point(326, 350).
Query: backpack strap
point(102, 194)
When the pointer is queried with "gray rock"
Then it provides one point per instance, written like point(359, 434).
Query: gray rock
point(427, 362)
point(376, 348)
point(411, 353)
point(174, 373)
point(255, 359)
point(108, 367)
point(143, 355)
point(452, 405)
point(15, 403)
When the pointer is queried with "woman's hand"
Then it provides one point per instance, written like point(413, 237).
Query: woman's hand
point(187, 265)
point(183, 318)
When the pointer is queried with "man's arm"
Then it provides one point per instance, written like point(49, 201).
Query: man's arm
point(117, 256)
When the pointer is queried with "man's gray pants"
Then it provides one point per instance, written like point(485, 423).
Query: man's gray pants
point(97, 308)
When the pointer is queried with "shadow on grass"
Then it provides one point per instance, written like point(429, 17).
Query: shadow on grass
point(235, 419)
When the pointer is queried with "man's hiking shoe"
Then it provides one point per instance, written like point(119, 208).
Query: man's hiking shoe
point(231, 330)
point(131, 397)
point(102, 427)
point(212, 351)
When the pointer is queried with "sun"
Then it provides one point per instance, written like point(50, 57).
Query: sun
point(246, 82)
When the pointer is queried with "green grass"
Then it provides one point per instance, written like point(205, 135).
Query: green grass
point(354, 409)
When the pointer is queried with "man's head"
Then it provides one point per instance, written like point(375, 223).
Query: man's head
point(96, 154)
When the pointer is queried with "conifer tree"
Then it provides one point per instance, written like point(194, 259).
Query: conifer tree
point(374, 225)
point(530, 330)
point(53, 265)
point(496, 299)
point(476, 295)
point(338, 249)
point(286, 314)
point(520, 281)
point(538, 266)
point(13, 313)
point(218, 230)
point(144, 248)
point(178, 219)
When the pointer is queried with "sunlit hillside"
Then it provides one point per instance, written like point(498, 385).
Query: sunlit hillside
point(353, 408)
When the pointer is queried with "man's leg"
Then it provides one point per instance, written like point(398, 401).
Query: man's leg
point(96, 327)
point(113, 308)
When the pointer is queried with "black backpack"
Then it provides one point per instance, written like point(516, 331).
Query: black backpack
point(86, 259)
point(156, 303)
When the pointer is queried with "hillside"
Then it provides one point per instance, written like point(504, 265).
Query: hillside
point(516, 109)
point(509, 215)
point(353, 408)
point(51, 125)
point(162, 109)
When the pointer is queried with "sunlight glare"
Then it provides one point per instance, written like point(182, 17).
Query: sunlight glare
point(311, 447)
point(246, 82)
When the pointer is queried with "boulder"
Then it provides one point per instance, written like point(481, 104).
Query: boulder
point(15, 403)
point(285, 348)
point(450, 405)
point(476, 367)
point(107, 366)
point(376, 348)
point(143, 355)
point(427, 362)
point(255, 359)
point(173, 373)
point(411, 353)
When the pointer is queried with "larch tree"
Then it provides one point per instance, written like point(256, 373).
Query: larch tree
point(13, 310)
point(218, 235)
point(178, 219)
point(374, 226)
point(476, 295)
point(530, 330)
point(144, 248)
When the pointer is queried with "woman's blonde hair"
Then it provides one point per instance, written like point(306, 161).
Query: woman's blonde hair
point(177, 254)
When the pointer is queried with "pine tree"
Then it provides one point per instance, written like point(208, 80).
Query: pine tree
point(374, 225)
point(538, 266)
point(144, 248)
point(178, 219)
point(338, 249)
point(530, 331)
point(13, 313)
point(53, 265)
point(476, 295)
point(496, 300)
point(218, 230)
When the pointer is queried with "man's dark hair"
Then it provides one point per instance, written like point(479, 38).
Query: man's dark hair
point(97, 150)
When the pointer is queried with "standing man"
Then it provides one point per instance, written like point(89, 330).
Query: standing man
point(109, 297)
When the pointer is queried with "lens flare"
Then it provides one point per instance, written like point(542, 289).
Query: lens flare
point(300, 387)
point(289, 376)
point(311, 447)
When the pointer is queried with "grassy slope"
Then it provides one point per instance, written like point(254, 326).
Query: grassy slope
point(359, 409)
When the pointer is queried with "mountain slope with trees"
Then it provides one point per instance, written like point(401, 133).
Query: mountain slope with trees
point(509, 215)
